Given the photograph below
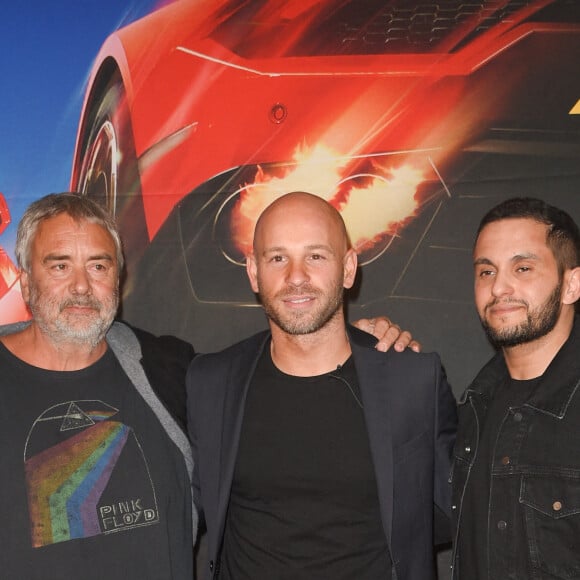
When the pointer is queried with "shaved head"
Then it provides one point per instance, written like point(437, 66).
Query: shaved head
point(300, 202)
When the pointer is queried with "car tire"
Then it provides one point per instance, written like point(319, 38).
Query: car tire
point(109, 171)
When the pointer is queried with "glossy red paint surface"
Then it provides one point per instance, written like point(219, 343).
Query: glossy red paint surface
point(212, 86)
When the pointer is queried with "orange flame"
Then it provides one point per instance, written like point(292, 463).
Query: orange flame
point(374, 203)
point(383, 207)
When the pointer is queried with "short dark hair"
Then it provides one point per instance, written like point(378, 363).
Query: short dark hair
point(77, 206)
point(563, 236)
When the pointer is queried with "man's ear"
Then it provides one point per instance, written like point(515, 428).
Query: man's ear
point(24, 286)
point(571, 291)
point(252, 271)
point(350, 264)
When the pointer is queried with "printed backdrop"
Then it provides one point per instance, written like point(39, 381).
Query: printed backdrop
point(412, 118)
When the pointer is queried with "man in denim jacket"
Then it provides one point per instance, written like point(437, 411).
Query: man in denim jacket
point(516, 475)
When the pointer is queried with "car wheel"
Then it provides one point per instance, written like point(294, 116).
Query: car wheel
point(109, 168)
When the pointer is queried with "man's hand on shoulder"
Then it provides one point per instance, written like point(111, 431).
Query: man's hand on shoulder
point(388, 334)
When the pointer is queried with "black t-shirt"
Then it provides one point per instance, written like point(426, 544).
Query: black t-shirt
point(474, 536)
point(304, 502)
point(91, 485)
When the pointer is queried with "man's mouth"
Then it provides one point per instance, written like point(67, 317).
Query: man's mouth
point(80, 306)
point(504, 308)
point(298, 300)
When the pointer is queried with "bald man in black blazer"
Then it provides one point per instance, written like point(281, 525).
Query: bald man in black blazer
point(316, 456)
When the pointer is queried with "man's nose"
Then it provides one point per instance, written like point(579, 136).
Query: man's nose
point(297, 273)
point(502, 285)
point(80, 282)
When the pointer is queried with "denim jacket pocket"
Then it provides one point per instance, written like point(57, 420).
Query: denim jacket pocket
point(552, 521)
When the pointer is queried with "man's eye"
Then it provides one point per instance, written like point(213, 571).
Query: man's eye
point(524, 269)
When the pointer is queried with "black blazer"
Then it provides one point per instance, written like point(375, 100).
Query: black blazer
point(411, 419)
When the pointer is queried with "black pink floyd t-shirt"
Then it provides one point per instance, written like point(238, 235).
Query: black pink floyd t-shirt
point(91, 486)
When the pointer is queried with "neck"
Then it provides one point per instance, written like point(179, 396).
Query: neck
point(36, 349)
point(311, 354)
point(530, 360)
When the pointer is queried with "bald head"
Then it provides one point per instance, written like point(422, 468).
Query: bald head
point(291, 209)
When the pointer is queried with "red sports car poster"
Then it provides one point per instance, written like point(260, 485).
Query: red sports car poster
point(412, 118)
point(187, 118)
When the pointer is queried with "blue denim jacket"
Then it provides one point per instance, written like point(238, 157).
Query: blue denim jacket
point(535, 476)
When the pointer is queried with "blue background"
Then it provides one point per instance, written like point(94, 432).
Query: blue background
point(46, 53)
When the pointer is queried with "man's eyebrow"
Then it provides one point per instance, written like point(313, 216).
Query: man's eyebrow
point(526, 256)
point(483, 262)
point(274, 249)
point(63, 257)
point(516, 258)
point(310, 248)
point(106, 257)
point(319, 247)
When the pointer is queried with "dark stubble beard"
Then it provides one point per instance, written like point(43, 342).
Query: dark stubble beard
point(306, 323)
point(539, 323)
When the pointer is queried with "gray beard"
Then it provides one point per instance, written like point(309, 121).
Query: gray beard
point(60, 332)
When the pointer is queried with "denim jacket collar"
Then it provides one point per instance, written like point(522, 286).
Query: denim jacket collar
point(558, 384)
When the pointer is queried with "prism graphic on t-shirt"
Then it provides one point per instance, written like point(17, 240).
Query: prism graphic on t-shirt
point(86, 474)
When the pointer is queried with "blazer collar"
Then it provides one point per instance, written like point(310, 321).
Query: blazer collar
point(372, 369)
point(241, 370)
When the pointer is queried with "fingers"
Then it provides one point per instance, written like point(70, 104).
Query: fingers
point(388, 334)
point(370, 325)
point(415, 346)
point(399, 340)
point(384, 329)
point(393, 337)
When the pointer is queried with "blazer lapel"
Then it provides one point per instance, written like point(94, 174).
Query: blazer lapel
point(237, 384)
point(372, 368)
